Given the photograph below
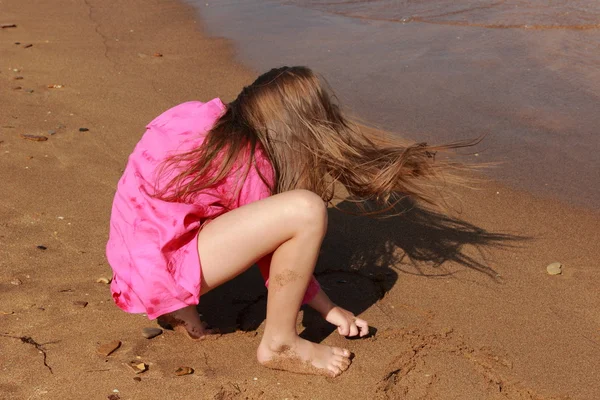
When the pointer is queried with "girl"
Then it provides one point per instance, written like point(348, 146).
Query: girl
point(212, 189)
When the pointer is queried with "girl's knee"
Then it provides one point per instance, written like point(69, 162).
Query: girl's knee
point(309, 209)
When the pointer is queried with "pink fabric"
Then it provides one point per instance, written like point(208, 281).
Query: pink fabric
point(152, 245)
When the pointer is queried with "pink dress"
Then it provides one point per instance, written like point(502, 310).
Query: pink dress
point(152, 246)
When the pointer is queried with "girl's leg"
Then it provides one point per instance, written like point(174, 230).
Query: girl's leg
point(291, 226)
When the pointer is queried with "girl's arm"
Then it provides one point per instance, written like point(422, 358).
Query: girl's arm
point(321, 303)
point(347, 324)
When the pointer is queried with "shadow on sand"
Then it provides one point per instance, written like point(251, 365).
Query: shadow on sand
point(360, 261)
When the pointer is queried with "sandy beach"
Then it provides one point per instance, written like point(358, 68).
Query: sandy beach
point(462, 305)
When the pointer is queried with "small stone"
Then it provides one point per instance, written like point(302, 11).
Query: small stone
point(18, 78)
point(17, 88)
point(83, 129)
point(51, 132)
point(103, 280)
point(137, 367)
point(184, 371)
point(55, 86)
point(34, 138)
point(4, 26)
point(29, 90)
point(158, 55)
point(114, 396)
point(17, 43)
point(80, 303)
point(16, 282)
point(137, 379)
point(108, 348)
point(554, 269)
point(28, 45)
point(42, 247)
point(150, 333)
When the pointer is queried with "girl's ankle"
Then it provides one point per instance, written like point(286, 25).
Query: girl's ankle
point(278, 342)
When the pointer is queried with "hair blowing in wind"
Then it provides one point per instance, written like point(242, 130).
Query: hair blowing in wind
point(289, 113)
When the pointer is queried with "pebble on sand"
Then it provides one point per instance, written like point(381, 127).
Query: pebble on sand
point(80, 303)
point(158, 55)
point(28, 45)
point(184, 371)
point(150, 333)
point(108, 348)
point(55, 86)
point(16, 282)
point(137, 367)
point(83, 129)
point(35, 138)
point(554, 269)
point(42, 247)
point(4, 26)
point(103, 280)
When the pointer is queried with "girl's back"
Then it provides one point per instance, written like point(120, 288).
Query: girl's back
point(147, 233)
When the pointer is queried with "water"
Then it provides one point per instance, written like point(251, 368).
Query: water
point(524, 72)
point(527, 14)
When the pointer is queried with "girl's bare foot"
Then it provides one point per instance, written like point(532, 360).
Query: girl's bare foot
point(186, 321)
point(304, 357)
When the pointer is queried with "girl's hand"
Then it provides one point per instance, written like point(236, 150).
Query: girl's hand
point(347, 323)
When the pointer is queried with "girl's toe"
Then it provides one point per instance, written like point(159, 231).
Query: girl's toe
point(342, 363)
point(346, 362)
point(341, 352)
point(335, 371)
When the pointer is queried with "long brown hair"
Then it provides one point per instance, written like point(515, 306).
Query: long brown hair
point(289, 113)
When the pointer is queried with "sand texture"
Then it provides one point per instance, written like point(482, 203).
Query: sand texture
point(462, 307)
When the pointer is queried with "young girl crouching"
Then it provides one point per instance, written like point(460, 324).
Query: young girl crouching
point(212, 189)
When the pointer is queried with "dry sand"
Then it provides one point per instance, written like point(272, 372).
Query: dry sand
point(463, 306)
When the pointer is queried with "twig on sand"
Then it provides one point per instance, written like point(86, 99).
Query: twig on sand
point(235, 386)
point(31, 341)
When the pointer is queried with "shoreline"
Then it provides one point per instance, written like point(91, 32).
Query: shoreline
point(531, 94)
point(464, 333)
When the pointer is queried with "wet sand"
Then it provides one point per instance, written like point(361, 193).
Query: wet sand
point(462, 305)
